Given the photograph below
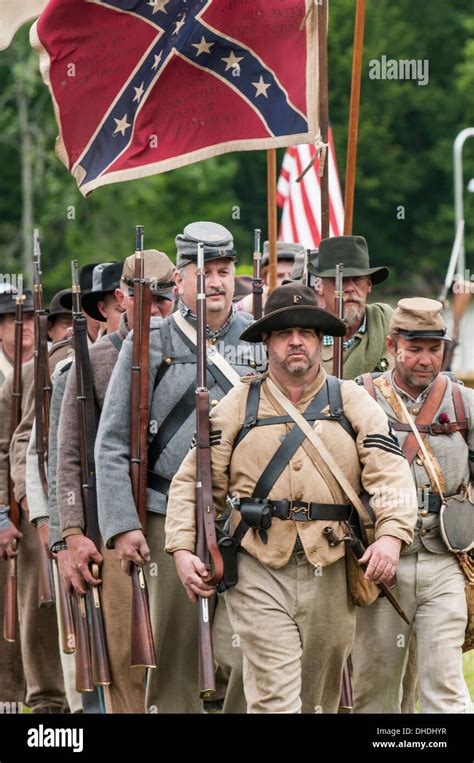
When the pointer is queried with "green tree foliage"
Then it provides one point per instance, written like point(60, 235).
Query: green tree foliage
point(404, 159)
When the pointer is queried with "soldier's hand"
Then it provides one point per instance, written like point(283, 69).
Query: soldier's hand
point(8, 542)
point(43, 533)
point(192, 573)
point(132, 547)
point(82, 551)
point(71, 580)
point(382, 558)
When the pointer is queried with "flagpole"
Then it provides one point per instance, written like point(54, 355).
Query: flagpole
point(354, 117)
point(272, 215)
point(324, 112)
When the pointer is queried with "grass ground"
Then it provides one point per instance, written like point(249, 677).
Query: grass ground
point(468, 665)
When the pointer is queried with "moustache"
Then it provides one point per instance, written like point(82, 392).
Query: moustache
point(352, 299)
point(297, 352)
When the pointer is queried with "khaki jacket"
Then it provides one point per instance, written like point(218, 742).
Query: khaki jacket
point(374, 461)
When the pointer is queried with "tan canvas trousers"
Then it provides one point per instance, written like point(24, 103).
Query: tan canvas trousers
point(296, 627)
point(126, 694)
point(431, 591)
point(173, 686)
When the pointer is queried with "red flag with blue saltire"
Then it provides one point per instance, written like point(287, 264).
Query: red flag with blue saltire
point(141, 87)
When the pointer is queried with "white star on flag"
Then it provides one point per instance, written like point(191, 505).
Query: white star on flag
point(261, 87)
point(232, 61)
point(203, 46)
point(122, 125)
point(159, 5)
point(139, 92)
point(157, 61)
point(179, 24)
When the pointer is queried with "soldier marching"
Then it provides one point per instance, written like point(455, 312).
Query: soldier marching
point(285, 537)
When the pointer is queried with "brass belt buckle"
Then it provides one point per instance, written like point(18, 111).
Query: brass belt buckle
point(298, 513)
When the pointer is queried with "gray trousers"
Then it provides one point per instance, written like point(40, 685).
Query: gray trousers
point(431, 591)
point(296, 627)
point(173, 686)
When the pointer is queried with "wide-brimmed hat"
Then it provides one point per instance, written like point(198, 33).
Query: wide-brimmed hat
point(242, 287)
point(105, 279)
point(418, 318)
point(85, 285)
point(55, 306)
point(353, 253)
point(8, 301)
point(293, 306)
point(284, 251)
point(218, 243)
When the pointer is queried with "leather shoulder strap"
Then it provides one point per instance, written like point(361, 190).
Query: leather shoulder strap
point(368, 384)
point(426, 415)
point(460, 410)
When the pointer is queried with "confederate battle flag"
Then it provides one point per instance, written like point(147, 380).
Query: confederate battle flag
point(143, 87)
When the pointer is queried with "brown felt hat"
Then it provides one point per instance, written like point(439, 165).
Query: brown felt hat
point(293, 306)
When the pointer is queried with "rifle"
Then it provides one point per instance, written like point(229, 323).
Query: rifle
point(206, 542)
point(338, 359)
point(142, 645)
point(346, 701)
point(305, 279)
point(87, 418)
point(10, 614)
point(46, 595)
point(66, 618)
point(257, 288)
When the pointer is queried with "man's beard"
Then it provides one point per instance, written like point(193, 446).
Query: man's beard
point(290, 368)
point(353, 314)
point(417, 383)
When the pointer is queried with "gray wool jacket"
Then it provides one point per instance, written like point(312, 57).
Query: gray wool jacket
point(59, 384)
point(117, 512)
point(103, 356)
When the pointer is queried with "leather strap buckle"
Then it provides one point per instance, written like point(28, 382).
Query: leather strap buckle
point(298, 511)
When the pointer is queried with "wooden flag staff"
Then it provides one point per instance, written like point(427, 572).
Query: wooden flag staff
point(354, 117)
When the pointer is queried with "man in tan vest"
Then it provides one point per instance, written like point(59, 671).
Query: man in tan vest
point(364, 342)
point(291, 607)
point(430, 581)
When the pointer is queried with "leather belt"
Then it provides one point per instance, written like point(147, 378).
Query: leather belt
point(160, 484)
point(432, 505)
point(301, 511)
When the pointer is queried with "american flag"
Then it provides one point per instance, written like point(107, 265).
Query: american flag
point(301, 202)
point(141, 86)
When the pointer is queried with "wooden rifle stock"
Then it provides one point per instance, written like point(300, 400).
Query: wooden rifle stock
point(46, 593)
point(84, 680)
point(142, 645)
point(10, 607)
point(206, 541)
point(257, 288)
point(66, 618)
point(87, 418)
point(10, 614)
point(99, 652)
